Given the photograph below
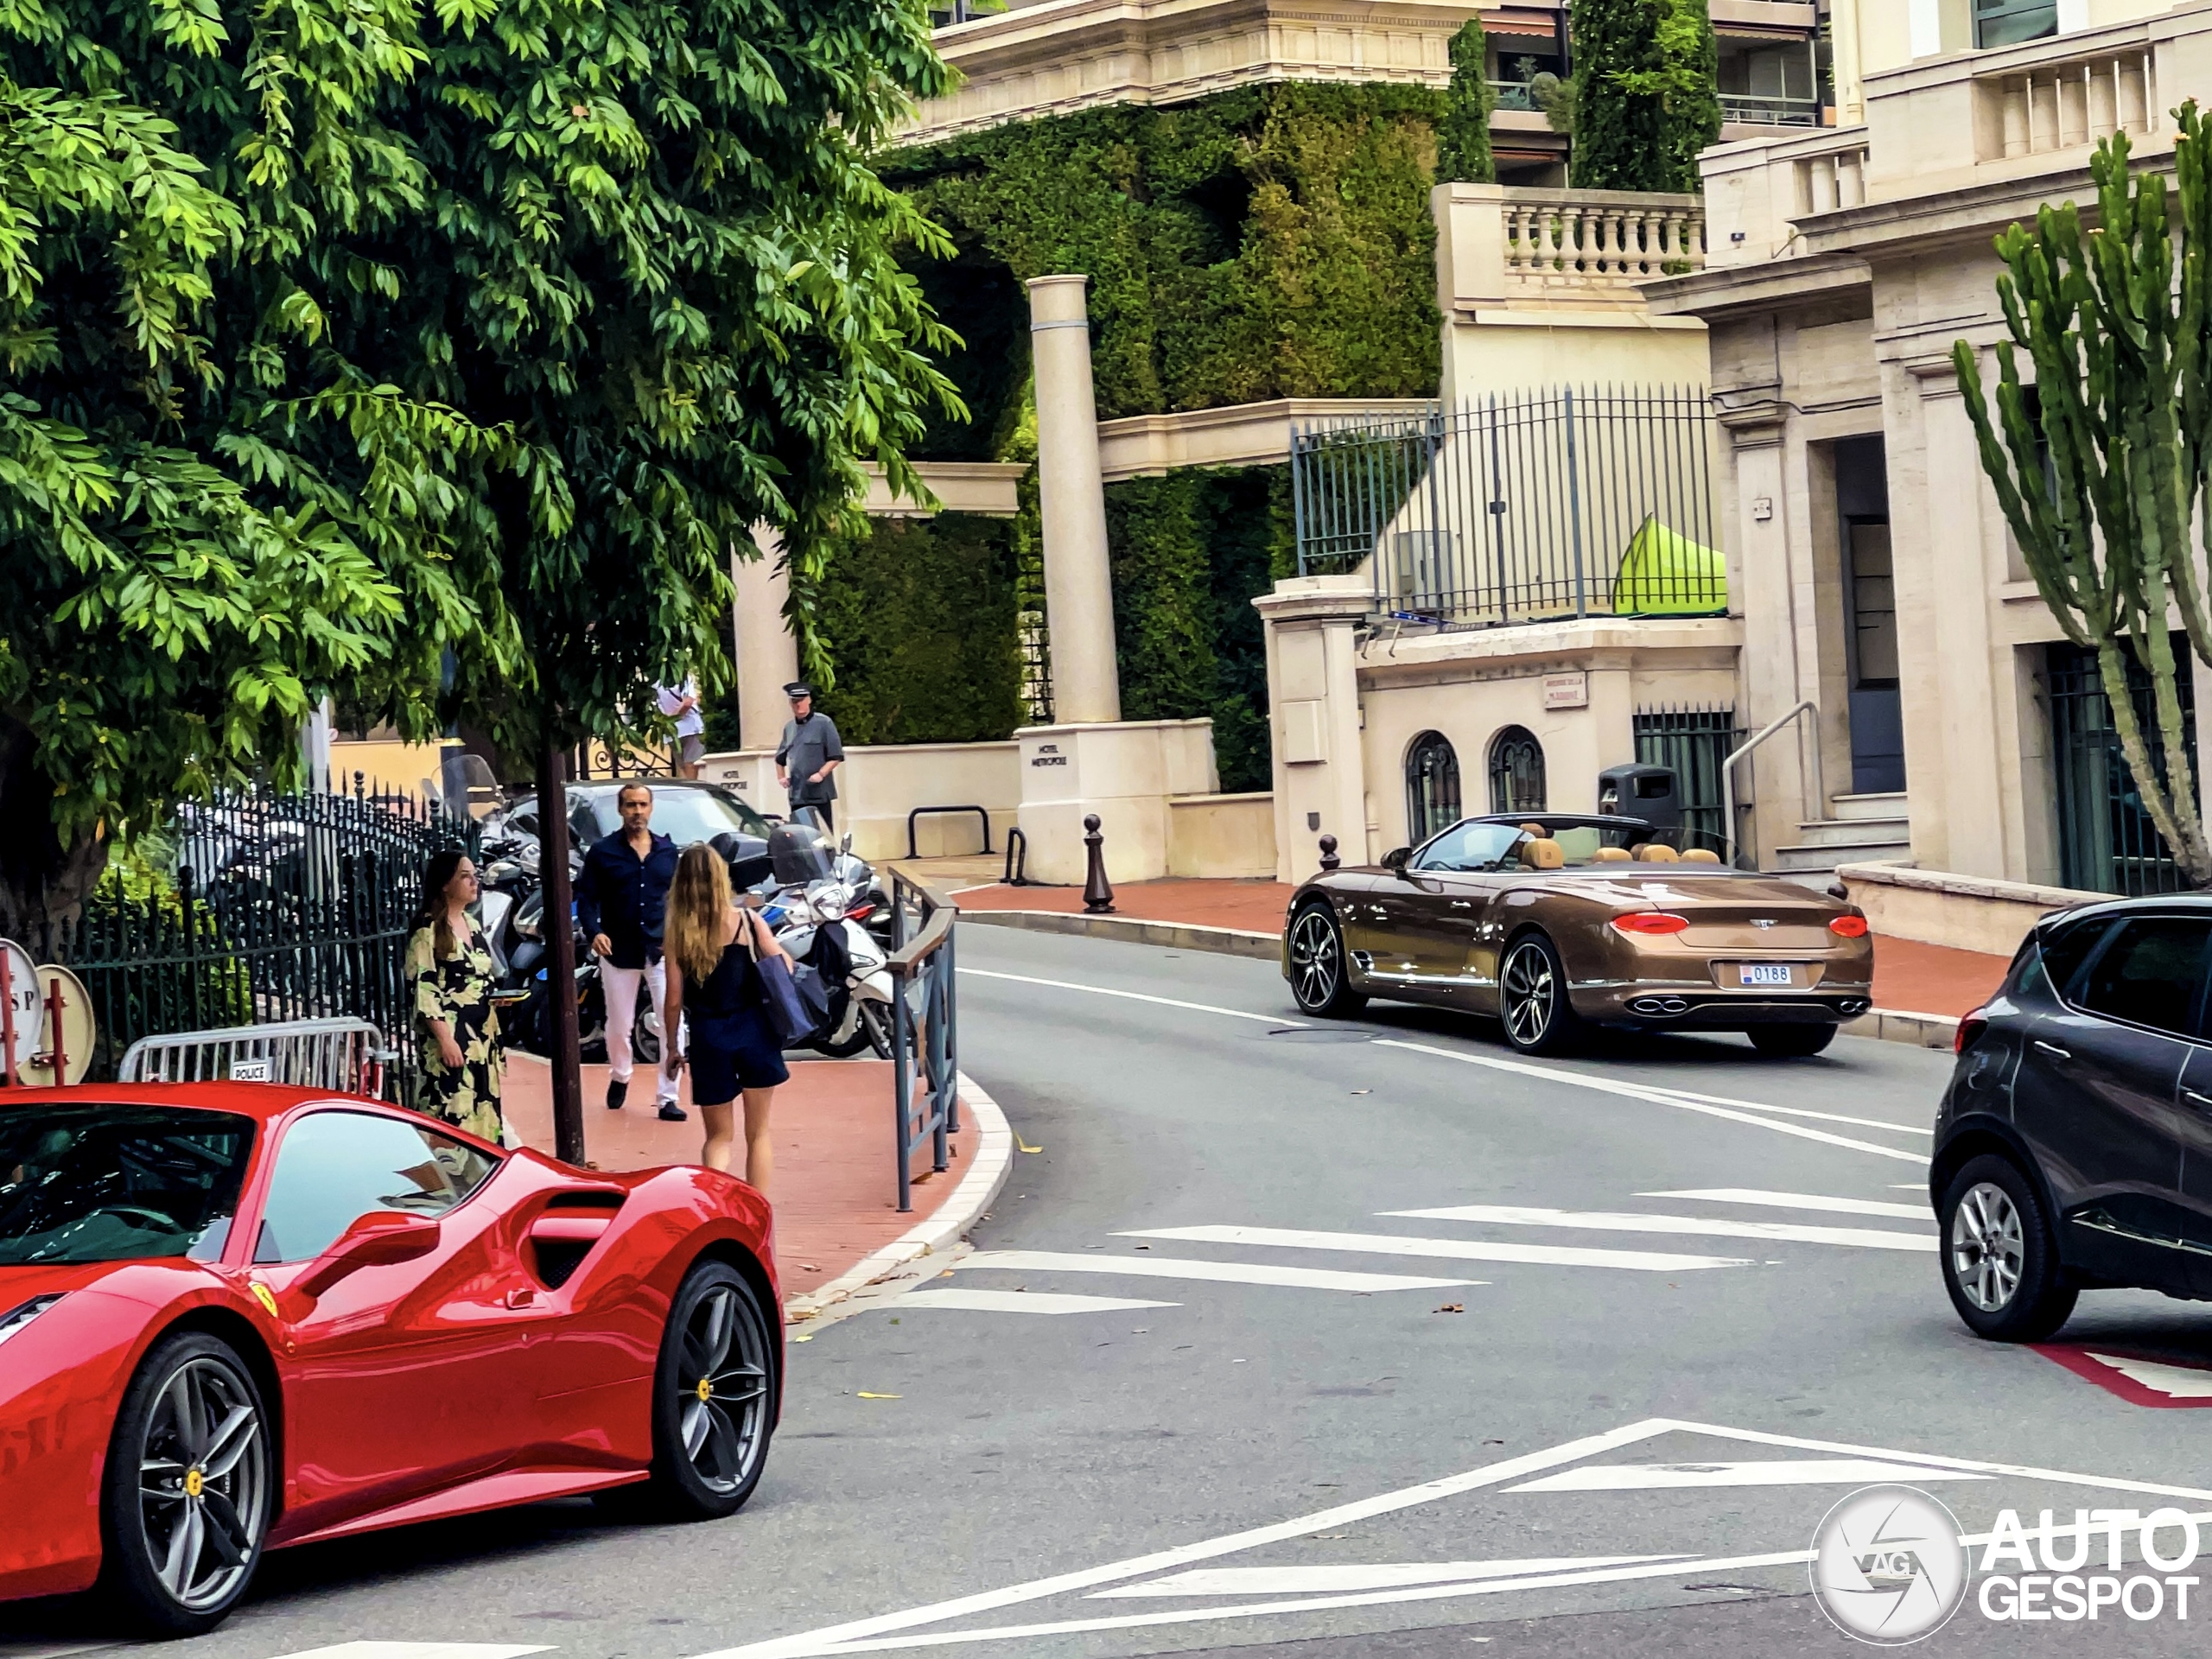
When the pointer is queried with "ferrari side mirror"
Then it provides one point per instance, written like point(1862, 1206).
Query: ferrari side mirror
point(383, 1238)
point(1394, 860)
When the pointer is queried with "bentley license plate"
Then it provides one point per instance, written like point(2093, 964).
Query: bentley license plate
point(1765, 973)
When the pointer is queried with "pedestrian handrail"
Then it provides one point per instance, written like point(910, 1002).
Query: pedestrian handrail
point(981, 812)
point(924, 1027)
point(345, 1056)
point(1816, 801)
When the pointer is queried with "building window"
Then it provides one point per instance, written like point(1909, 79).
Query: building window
point(1693, 743)
point(1516, 772)
point(1432, 786)
point(2002, 22)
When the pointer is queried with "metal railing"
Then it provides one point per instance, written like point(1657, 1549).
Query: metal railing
point(1815, 798)
point(924, 1027)
point(1521, 507)
point(345, 1056)
point(1770, 110)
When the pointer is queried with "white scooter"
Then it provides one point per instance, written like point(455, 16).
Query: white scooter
point(860, 1009)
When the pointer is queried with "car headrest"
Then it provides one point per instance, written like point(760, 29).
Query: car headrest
point(1543, 854)
point(1658, 852)
point(1701, 856)
point(1536, 830)
point(1613, 856)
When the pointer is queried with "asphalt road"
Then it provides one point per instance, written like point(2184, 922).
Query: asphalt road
point(1675, 1301)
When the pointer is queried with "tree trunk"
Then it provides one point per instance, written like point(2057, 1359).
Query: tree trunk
point(42, 880)
point(561, 947)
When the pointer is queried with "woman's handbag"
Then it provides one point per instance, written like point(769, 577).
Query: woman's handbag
point(792, 1015)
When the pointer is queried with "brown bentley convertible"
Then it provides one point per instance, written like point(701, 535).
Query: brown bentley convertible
point(1554, 923)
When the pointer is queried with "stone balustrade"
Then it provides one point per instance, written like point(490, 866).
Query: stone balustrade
point(2041, 107)
point(1580, 243)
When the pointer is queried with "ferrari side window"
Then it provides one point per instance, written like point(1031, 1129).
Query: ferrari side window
point(334, 1167)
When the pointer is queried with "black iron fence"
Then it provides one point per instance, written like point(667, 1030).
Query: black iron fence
point(1694, 742)
point(258, 907)
point(925, 1028)
point(1520, 507)
point(2106, 842)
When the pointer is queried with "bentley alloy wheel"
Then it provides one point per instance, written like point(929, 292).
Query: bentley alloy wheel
point(713, 1395)
point(1317, 976)
point(1532, 997)
point(2000, 1263)
point(188, 1486)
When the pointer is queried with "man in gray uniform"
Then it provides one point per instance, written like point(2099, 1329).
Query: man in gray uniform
point(809, 755)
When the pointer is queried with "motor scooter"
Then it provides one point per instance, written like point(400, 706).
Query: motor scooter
point(813, 925)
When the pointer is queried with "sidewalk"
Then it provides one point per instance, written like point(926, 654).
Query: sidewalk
point(1908, 976)
point(835, 1182)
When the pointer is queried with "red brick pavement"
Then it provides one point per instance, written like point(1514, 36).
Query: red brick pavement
point(1908, 976)
point(835, 1189)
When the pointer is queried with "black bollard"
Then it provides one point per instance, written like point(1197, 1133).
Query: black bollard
point(1329, 859)
point(1098, 892)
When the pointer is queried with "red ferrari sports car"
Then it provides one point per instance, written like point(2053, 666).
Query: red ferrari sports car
point(235, 1317)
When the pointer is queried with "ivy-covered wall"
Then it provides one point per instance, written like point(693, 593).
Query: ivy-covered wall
point(1189, 552)
point(1266, 242)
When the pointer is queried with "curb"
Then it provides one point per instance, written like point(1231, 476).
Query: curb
point(985, 1178)
point(1188, 936)
point(1883, 1024)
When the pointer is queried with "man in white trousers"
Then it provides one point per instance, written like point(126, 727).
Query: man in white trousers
point(621, 896)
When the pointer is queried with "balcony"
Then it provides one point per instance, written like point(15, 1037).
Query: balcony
point(1769, 110)
point(1508, 246)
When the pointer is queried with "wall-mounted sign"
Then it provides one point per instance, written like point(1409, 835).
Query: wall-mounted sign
point(1567, 690)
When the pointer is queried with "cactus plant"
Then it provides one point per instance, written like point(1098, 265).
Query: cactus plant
point(2100, 473)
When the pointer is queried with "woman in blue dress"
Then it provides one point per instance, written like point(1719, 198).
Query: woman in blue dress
point(714, 991)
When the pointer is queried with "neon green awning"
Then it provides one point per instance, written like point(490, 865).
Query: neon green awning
point(1666, 573)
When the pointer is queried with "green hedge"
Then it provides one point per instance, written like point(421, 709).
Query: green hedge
point(1266, 242)
point(1189, 552)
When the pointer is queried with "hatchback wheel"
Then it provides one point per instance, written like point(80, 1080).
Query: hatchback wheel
point(714, 1396)
point(2000, 1263)
point(185, 1504)
point(1319, 978)
point(1532, 998)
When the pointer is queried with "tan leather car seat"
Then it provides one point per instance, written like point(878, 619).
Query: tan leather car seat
point(1613, 856)
point(1543, 854)
point(1701, 856)
point(1536, 830)
point(1659, 853)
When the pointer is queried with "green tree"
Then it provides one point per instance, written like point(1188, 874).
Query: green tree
point(1463, 131)
point(1619, 101)
point(2100, 472)
point(1688, 86)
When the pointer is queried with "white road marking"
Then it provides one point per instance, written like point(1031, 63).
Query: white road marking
point(417, 1650)
point(1802, 1201)
point(1018, 1301)
point(1134, 996)
point(2174, 1382)
point(1458, 1250)
point(1657, 1096)
point(1505, 1215)
point(1794, 1111)
point(860, 1636)
point(1796, 1471)
point(1319, 1579)
point(1228, 1272)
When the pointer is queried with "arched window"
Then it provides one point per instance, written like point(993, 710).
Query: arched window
point(1432, 786)
point(1516, 772)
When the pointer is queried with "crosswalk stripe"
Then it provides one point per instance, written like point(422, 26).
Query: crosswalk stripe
point(1801, 1201)
point(1506, 1215)
point(1229, 1273)
point(1557, 1256)
point(1786, 1471)
point(1018, 1301)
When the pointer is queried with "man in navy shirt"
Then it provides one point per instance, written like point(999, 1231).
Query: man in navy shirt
point(620, 899)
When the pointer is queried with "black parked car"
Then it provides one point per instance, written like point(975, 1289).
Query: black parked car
point(2074, 1146)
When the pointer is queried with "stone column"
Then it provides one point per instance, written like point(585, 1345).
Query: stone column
point(1311, 626)
point(767, 656)
point(1078, 582)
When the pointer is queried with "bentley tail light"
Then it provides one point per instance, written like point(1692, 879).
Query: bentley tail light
point(1969, 1028)
point(1650, 921)
point(1848, 927)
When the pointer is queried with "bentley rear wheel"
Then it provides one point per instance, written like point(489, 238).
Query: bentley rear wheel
point(1532, 998)
point(185, 1505)
point(714, 1396)
point(1318, 974)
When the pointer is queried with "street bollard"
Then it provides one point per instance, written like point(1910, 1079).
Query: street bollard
point(1098, 892)
point(1329, 859)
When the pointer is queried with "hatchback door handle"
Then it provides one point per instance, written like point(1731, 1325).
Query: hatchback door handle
point(1461, 904)
point(2053, 1048)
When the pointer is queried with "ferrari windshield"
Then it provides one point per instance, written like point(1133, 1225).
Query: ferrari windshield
point(107, 1183)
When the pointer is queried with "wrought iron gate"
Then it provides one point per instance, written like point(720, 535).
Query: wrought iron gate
point(2106, 842)
point(1693, 742)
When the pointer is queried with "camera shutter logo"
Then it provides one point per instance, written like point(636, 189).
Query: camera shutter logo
point(1887, 1564)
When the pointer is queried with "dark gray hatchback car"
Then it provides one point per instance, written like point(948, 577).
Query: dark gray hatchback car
point(2074, 1146)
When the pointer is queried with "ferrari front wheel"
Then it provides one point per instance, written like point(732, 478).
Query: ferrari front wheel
point(185, 1504)
point(714, 1396)
point(1320, 978)
point(1532, 997)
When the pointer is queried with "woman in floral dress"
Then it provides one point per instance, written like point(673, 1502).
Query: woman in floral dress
point(449, 981)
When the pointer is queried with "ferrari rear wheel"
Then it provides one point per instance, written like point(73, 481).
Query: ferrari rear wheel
point(1532, 998)
point(185, 1504)
point(714, 1396)
point(1319, 976)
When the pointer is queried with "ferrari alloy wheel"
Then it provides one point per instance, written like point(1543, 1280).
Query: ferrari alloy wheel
point(1319, 978)
point(714, 1396)
point(2000, 1264)
point(1532, 997)
point(186, 1503)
